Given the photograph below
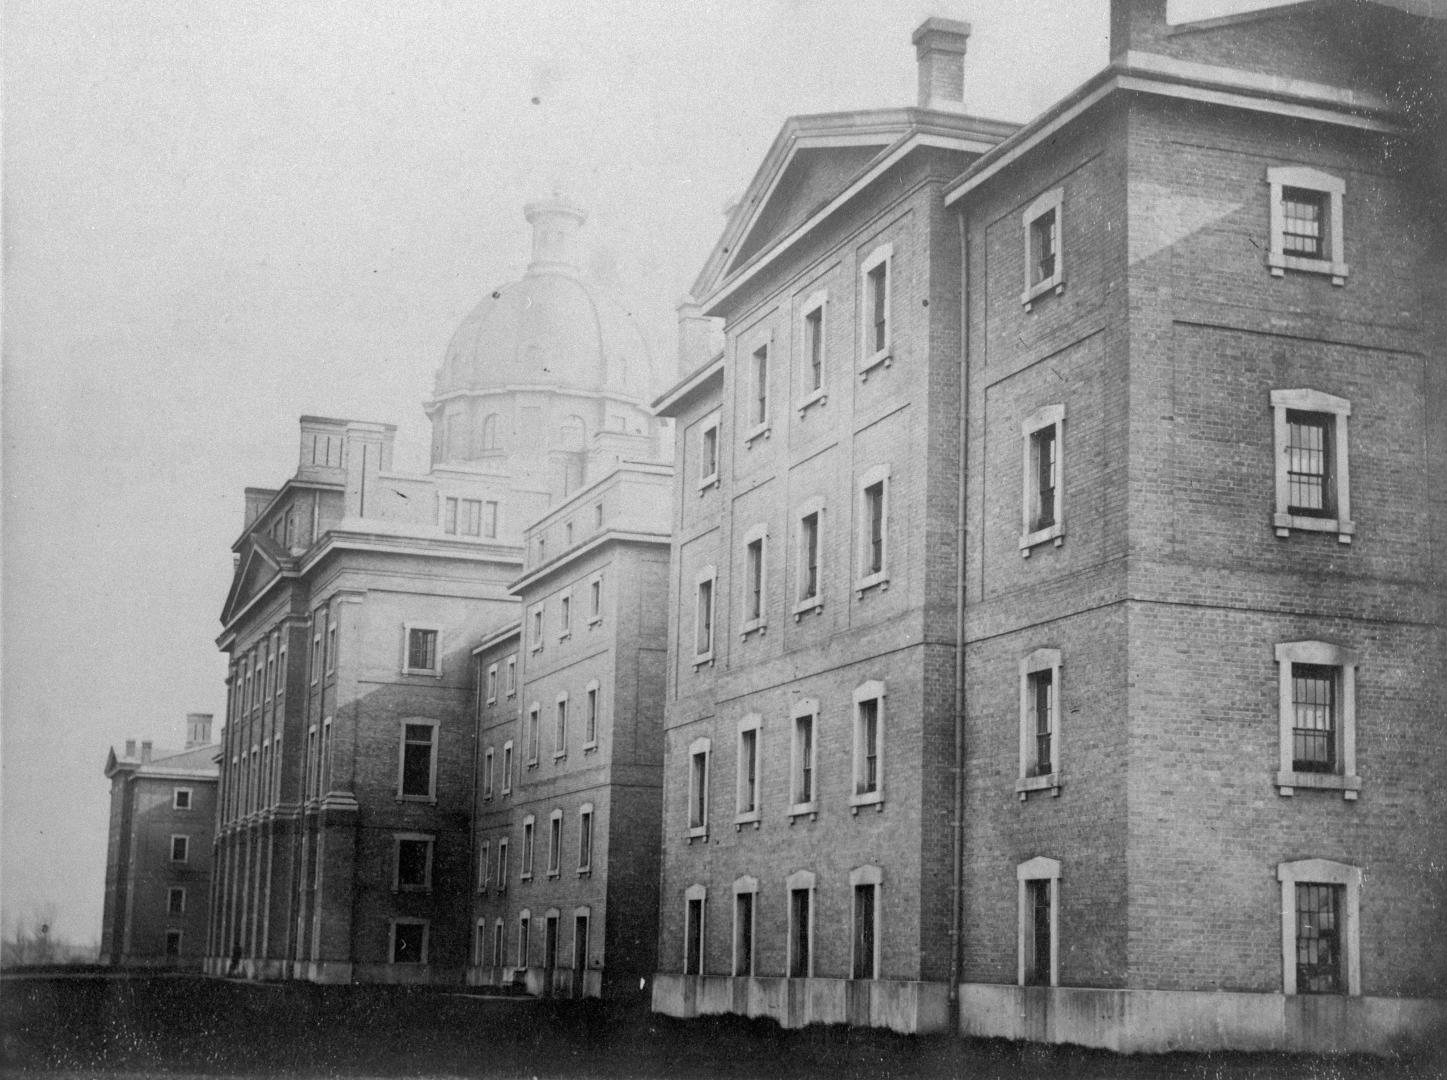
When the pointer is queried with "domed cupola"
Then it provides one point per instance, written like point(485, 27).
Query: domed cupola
point(542, 363)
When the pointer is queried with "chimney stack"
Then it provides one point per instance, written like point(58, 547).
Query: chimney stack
point(146, 752)
point(130, 749)
point(693, 336)
point(198, 729)
point(939, 46)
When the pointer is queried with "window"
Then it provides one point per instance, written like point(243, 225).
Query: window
point(1039, 921)
point(535, 629)
point(590, 715)
point(1320, 917)
point(502, 865)
point(868, 744)
point(449, 516)
point(747, 804)
point(555, 842)
point(1044, 260)
point(422, 658)
point(489, 519)
point(1317, 718)
point(801, 925)
point(873, 529)
point(581, 917)
point(1039, 723)
point(565, 617)
point(180, 848)
point(746, 891)
point(595, 598)
point(708, 453)
point(331, 649)
point(497, 957)
point(877, 285)
point(754, 611)
point(703, 617)
point(525, 919)
point(694, 898)
point(1312, 489)
point(173, 944)
point(758, 392)
point(176, 901)
point(585, 838)
point(812, 330)
point(533, 737)
point(181, 799)
point(698, 752)
point(507, 767)
point(527, 870)
point(413, 871)
point(865, 882)
point(484, 866)
point(418, 766)
point(1043, 516)
point(409, 941)
point(560, 728)
point(512, 676)
point(810, 597)
point(492, 684)
point(489, 432)
point(804, 792)
point(1306, 223)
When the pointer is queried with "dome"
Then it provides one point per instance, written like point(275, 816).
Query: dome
point(551, 328)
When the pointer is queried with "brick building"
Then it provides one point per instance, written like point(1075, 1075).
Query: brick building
point(1054, 583)
point(158, 850)
point(344, 847)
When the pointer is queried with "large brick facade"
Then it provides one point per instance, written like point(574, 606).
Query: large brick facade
point(1123, 274)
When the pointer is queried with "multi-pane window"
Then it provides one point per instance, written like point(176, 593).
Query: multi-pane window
point(534, 739)
point(876, 285)
point(873, 516)
point(698, 754)
point(595, 598)
point(748, 780)
point(565, 616)
point(419, 743)
point(1043, 502)
point(1317, 687)
point(1308, 464)
point(865, 931)
point(708, 453)
point(484, 866)
point(1312, 489)
point(1044, 257)
point(527, 870)
point(1313, 705)
point(421, 649)
point(868, 741)
point(759, 388)
point(492, 684)
point(1303, 221)
point(744, 932)
point(487, 763)
point(560, 730)
point(1042, 717)
point(585, 837)
point(535, 634)
point(809, 557)
point(414, 863)
point(502, 846)
point(1318, 940)
point(489, 519)
point(813, 334)
point(1043, 242)
point(507, 767)
point(1039, 888)
point(703, 616)
point(176, 901)
point(524, 929)
point(512, 675)
point(804, 757)
point(753, 581)
point(1043, 450)
point(497, 957)
point(180, 848)
point(181, 798)
point(801, 930)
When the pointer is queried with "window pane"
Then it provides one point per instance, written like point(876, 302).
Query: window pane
point(799, 933)
point(407, 943)
point(1045, 471)
point(693, 961)
point(868, 779)
point(809, 549)
point(1318, 952)
point(417, 760)
point(874, 522)
point(412, 863)
point(1042, 704)
point(879, 306)
point(864, 932)
point(744, 928)
point(1037, 972)
point(1313, 703)
point(422, 649)
point(1308, 463)
point(1043, 247)
point(1303, 214)
point(814, 347)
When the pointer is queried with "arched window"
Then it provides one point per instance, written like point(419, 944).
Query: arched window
point(489, 432)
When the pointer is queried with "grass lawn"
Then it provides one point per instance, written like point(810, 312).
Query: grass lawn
point(86, 1025)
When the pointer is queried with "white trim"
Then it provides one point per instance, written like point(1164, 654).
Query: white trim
point(533, 733)
point(804, 707)
point(1043, 418)
point(488, 761)
point(815, 508)
point(512, 676)
point(869, 356)
point(872, 690)
point(525, 938)
point(866, 580)
point(171, 892)
point(392, 939)
point(408, 629)
point(745, 886)
point(1307, 179)
point(586, 812)
point(1325, 654)
point(799, 881)
point(1313, 401)
point(491, 698)
point(503, 843)
point(872, 877)
point(698, 786)
point(1051, 201)
point(1039, 868)
point(706, 575)
point(693, 893)
point(817, 301)
point(536, 627)
point(1028, 781)
point(1322, 872)
point(530, 844)
point(749, 621)
point(595, 593)
point(435, 738)
point(484, 866)
point(190, 794)
point(507, 758)
point(560, 726)
point(592, 712)
point(759, 427)
point(555, 843)
point(398, 839)
point(753, 722)
point(711, 423)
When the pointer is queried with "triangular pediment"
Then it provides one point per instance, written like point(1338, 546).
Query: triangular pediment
point(256, 567)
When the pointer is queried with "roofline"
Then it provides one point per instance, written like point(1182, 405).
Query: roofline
point(608, 536)
point(289, 483)
point(680, 393)
point(381, 424)
point(583, 494)
point(497, 637)
point(920, 135)
point(1151, 73)
point(433, 403)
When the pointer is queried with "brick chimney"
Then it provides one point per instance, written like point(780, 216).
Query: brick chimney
point(939, 46)
point(130, 749)
point(146, 752)
point(198, 729)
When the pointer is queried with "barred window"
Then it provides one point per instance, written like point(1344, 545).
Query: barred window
point(1042, 711)
point(1308, 465)
point(1318, 941)
point(1313, 703)
point(1303, 215)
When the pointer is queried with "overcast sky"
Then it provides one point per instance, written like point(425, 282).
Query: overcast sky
point(220, 216)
